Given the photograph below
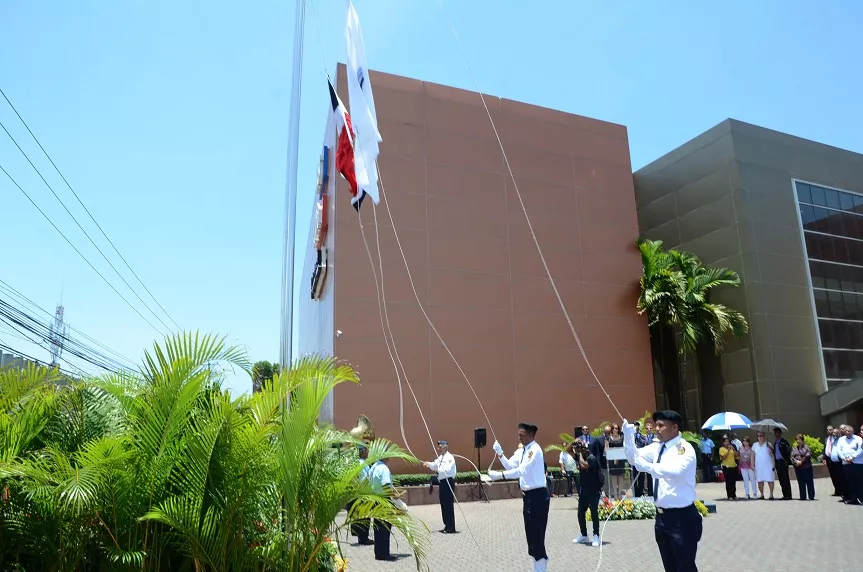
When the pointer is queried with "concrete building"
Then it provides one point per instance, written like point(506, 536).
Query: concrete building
point(786, 214)
point(476, 272)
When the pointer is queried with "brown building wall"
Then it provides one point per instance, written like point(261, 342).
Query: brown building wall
point(478, 275)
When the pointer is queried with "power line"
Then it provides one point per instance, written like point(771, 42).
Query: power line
point(96, 246)
point(75, 248)
point(56, 168)
point(9, 290)
point(45, 330)
point(26, 323)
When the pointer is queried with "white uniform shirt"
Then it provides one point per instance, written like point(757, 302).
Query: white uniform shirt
point(528, 465)
point(444, 465)
point(850, 447)
point(673, 473)
point(568, 462)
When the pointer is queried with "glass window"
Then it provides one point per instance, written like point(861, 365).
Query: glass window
point(818, 196)
point(858, 203)
point(816, 273)
point(830, 364)
point(821, 305)
point(847, 201)
point(836, 309)
point(803, 193)
point(834, 223)
point(833, 199)
point(807, 215)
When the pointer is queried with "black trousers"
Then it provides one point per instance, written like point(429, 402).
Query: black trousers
point(638, 489)
point(382, 539)
point(588, 501)
point(853, 482)
point(447, 505)
point(360, 528)
point(835, 470)
point(730, 474)
point(706, 468)
point(677, 534)
point(805, 482)
point(784, 479)
point(536, 505)
point(570, 480)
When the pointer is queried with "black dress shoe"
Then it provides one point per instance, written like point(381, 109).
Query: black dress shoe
point(449, 531)
point(389, 558)
point(366, 542)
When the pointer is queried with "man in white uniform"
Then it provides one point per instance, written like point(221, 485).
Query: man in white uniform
point(672, 463)
point(444, 466)
point(528, 465)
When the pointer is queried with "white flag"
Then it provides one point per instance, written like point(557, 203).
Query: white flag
point(363, 115)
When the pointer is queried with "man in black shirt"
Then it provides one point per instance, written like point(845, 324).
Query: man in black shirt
point(589, 487)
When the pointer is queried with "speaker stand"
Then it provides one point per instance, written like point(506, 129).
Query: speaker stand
point(477, 490)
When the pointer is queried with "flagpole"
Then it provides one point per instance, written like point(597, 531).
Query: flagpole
point(290, 232)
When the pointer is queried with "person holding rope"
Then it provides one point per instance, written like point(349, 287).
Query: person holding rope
point(444, 466)
point(672, 463)
point(528, 465)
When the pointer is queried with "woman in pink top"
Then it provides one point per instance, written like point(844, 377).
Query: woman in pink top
point(747, 467)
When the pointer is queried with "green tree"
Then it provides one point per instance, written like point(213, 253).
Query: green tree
point(262, 371)
point(675, 292)
point(165, 470)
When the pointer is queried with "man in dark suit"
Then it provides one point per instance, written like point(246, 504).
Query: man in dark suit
point(782, 452)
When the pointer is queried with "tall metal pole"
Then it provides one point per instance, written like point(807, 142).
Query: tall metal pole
point(287, 322)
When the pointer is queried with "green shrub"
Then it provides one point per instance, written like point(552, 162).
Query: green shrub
point(816, 446)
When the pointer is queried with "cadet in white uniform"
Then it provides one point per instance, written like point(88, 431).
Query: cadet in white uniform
point(444, 466)
point(672, 463)
point(528, 465)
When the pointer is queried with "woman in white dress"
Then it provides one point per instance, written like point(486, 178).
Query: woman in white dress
point(765, 465)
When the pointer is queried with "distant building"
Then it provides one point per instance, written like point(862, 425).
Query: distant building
point(786, 214)
point(477, 272)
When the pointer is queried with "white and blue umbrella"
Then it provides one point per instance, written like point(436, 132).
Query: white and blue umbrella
point(726, 421)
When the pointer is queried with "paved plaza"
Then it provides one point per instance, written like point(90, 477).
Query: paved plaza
point(756, 536)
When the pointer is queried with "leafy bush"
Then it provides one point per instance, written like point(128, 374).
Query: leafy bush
point(816, 446)
point(164, 470)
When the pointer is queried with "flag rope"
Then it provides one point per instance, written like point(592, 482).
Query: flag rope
point(538, 248)
point(386, 329)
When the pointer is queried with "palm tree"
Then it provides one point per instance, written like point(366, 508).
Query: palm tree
point(675, 296)
point(165, 470)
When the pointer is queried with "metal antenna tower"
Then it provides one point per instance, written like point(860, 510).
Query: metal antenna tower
point(59, 331)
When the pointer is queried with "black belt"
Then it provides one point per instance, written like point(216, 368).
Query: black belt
point(537, 489)
point(665, 510)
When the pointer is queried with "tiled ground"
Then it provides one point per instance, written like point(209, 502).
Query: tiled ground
point(755, 536)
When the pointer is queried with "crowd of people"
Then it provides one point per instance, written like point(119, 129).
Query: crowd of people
point(759, 465)
point(585, 462)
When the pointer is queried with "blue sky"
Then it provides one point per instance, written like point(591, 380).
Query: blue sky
point(170, 120)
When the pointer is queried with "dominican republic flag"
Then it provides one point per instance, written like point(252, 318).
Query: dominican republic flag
point(350, 154)
point(365, 120)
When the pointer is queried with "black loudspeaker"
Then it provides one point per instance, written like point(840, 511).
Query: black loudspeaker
point(479, 437)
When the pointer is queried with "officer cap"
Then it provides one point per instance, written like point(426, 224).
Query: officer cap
point(670, 416)
point(532, 429)
point(442, 442)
